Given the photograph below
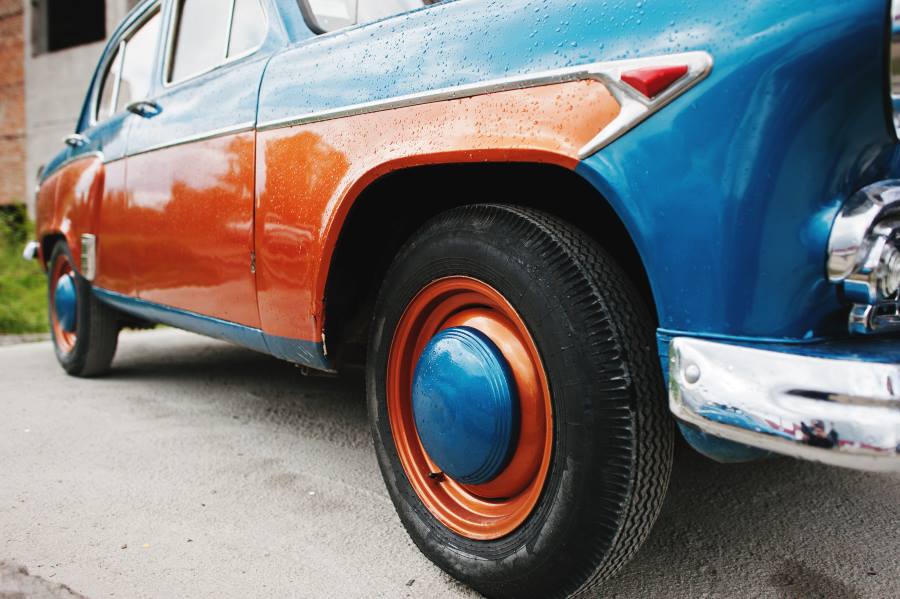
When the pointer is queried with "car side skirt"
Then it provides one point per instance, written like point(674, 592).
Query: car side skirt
point(297, 351)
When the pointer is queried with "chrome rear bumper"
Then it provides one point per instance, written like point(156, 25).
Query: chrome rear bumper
point(839, 411)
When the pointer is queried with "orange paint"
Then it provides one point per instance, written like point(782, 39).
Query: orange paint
point(189, 219)
point(67, 202)
point(177, 226)
point(45, 212)
point(309, 175)
point(115, 231)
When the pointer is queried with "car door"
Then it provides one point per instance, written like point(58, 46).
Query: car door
point(95, 175)
point(191, 172)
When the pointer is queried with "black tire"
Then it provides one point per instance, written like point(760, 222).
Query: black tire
point(96, 329)
point(613, 440)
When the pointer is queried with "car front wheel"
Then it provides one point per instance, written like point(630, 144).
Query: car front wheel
point(516, 402)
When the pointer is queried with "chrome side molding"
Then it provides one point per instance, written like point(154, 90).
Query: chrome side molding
point(634, 107)
point(835, 411)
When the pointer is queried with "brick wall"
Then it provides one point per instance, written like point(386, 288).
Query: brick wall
point(12, 103)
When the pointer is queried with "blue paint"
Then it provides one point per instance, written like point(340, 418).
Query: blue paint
point(465, 405)
point(729, 192)
point(298, 351)
point(65, 303)
point(224, 97)
point(720, 450)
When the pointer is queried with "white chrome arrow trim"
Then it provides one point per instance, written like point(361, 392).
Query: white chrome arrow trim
point(635, 108)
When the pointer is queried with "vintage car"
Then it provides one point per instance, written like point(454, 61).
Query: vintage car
point(526, 219)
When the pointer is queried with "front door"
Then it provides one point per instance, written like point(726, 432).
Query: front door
point(125, 70)
point(190, 166)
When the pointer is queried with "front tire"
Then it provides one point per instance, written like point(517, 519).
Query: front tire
point(570, 505)
point(85, 332)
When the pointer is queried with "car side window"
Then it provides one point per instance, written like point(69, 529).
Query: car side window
point(328, 15)
point(206, 33)
point(110, 86)
point(201, 29)
point(137, 63)
point(248, 27)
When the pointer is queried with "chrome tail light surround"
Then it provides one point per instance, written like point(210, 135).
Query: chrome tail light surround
point(864, 257)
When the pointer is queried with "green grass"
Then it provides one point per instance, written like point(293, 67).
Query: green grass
point(23, 285)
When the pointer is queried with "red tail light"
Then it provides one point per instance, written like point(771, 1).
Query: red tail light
point(654, 80)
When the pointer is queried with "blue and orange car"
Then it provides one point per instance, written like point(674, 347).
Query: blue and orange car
point(527, 220)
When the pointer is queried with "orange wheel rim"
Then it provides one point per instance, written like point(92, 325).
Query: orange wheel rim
point(65, 340)
point(496, 508)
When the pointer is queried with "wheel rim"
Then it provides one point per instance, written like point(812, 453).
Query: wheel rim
point(63, 304)
point(494, 508)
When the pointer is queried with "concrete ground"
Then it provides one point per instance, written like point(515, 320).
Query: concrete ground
point(197, 469)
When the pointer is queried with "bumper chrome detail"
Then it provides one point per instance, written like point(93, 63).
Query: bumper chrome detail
point(31, 251)
point(836, 411)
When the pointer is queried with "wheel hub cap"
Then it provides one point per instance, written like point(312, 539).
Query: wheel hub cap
point(64, 303)
point(465, 405)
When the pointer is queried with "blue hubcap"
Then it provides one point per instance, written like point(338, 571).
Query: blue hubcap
point(64, 302)
point(465, 405)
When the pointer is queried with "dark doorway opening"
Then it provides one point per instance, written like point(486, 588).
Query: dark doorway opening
point(61, 24)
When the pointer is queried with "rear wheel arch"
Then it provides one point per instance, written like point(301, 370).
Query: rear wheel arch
point(48, 242)
point(390, 209)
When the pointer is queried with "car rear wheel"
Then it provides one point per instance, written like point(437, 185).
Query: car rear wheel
point(85, 332)
point(516, 403)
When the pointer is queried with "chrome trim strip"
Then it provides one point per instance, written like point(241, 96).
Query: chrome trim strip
point(230, 29)
point(836, 411)
point(151, 11)
point(634, 107)
point(232, 130)
point(114, 101)
point(69, 161)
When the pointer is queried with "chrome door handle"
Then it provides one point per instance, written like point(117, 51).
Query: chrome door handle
point(76, 140)
point(144, 108)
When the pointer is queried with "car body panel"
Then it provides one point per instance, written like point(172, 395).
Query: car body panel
point(728, 166)
point(328, 163)
point(728, 193)
point(191, 185)
point(194, 203)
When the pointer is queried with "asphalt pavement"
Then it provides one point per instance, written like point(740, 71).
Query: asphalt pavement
point(198, 469)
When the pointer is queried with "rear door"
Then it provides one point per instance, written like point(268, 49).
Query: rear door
point(191, 160)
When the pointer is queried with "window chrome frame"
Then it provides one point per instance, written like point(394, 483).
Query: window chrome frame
point(151, 11)
point(168, 84)
point(119, 56)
